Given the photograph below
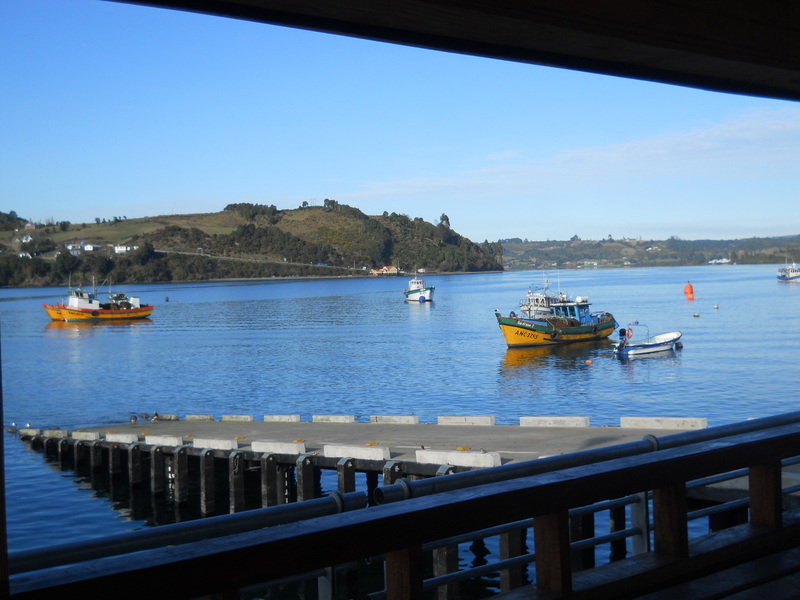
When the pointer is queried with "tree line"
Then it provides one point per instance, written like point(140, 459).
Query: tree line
point(347, 243)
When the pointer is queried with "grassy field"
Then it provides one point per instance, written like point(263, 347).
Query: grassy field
point(122, 231)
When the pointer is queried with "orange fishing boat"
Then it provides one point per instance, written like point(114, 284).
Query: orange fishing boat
point(82, 305)
point(554, 319)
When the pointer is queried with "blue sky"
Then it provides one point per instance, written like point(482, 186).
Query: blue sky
point(109, 109)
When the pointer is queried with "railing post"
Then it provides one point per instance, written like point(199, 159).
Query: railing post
point(582, 528)
point(766, 500)
point(445, 560)
point(551, 547)
point(404, 574)
point(670, 523)
point(512, 544)
point(617, 523)
point(640, 519)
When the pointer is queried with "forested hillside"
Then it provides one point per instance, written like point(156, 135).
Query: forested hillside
point(244, 241)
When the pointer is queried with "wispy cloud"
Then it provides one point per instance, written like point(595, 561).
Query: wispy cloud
point(710, 170)
point(753, 141)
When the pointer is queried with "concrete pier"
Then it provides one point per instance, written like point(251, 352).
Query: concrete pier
point(230, 463)
point(396, 437)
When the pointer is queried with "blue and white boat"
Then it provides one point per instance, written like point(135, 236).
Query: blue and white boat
point(417, 291)
point(789, 273)
point(663, 342)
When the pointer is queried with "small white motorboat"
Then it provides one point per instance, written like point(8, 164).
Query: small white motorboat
point(663, 342)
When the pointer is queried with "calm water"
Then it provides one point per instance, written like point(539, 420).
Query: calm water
point(354, 347)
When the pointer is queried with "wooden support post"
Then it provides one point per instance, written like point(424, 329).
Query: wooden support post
point(346, 475)
point(78, 455)
point(95, 456)
point(445, 560)
point(670, 524)
point(180, 467)
point(64, 453)
point(512, 544)
point(305, 477)
point(114, 466)
point(269, 480)
point(158, 476)
point(236, 469)
point(135, 464)
point(404, 574)
point(207, 488)
point(766, 499)
point(50, 446)
point(551, 546)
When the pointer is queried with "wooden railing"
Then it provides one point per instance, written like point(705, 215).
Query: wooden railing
point(224, 564)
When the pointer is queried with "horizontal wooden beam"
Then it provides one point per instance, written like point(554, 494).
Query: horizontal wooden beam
point(731, 46)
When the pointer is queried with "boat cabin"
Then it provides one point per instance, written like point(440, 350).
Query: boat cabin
point(79, 298)
point(578, 310)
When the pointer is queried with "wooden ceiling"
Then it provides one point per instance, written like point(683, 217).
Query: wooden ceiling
point(734, 46)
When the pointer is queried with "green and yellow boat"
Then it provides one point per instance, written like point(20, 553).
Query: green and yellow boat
point(557, 319)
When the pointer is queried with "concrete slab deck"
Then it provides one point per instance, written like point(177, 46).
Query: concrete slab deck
point(514, 443)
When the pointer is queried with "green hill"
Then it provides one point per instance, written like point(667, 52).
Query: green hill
point(242, 241)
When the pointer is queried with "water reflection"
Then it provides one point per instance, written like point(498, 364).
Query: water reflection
point(564, 356)
point(668, 356)
point(83, 328)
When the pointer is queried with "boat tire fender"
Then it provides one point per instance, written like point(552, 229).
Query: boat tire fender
point(554, 335)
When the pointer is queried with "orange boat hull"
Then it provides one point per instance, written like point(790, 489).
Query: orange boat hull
point(59, 312)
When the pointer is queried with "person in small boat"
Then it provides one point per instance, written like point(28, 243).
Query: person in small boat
point(623, 338)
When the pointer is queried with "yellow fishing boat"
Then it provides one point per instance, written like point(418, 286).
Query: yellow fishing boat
point(551, 319)
point(82, 305)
